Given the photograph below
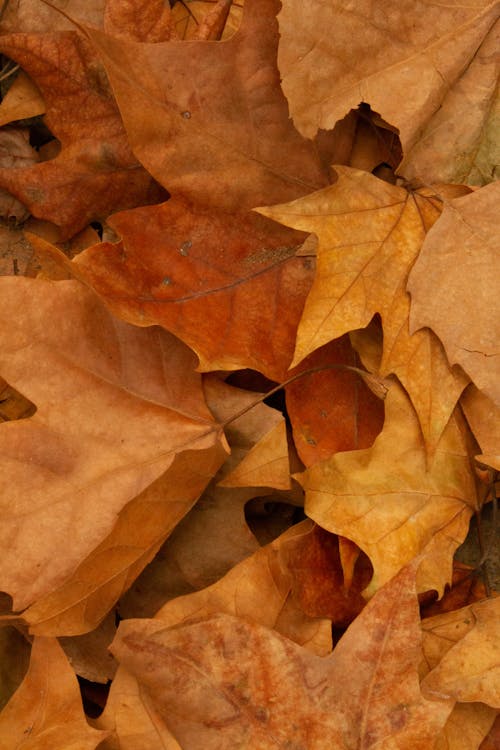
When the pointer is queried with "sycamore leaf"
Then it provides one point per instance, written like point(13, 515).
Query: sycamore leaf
point(227, 285)
point(214, 535)
point(46, 711)
point(95, 172)
point(122, 403)
point(460, 142)
point(214, 693)
point(370, 233)
point(256, 589)
point(133, 717)
point(469, 669)
point(387, 500)
point(23, 99)
point(139, 20)
point(209, 120)
point(36, 16)
point(466, 727)
point(458, 256)
point(332, 410)
point(483, 417)
point(377, 54)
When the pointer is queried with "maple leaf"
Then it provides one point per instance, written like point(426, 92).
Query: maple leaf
point(209, 121)
point(112, 424)
point(458, 255)
point(222, 696)
point(95, 172)
point(46, 711)
point(379, 53)
point(390, 503)
point(370, 233)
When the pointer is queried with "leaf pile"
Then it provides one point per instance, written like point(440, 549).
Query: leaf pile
point(223, 199)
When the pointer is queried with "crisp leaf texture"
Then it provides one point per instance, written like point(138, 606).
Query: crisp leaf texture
point(370, 233)
point(107, 429)
point(459, 254)
point(46, 712)
point(379, 53)
point(204, 676)
point(391, 503)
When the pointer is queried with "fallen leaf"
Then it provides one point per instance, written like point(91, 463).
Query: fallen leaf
point(188, 18)
point(458, 255)
point(36, 16)
point(492, 739)
point(332, 410)
point(205, 679)
point(88, 654)
point(391, 504)
point(227, 285)
point(466, 727)
point(46, 711)
point(95, 172)
point(139, 20)
point(209, 120)
point(469, 669)
point(370, 233)
point(483, 416)
point(14, 661)
point(22, 100)
point(111, 423)
point(377, 54)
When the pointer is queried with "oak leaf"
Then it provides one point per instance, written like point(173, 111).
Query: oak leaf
point(46, 711)
point(112, 423)
point(377, 54)
point(458, 256)
point(95, 172)
point(370, 233)
point(391, 503)
point(214, 693)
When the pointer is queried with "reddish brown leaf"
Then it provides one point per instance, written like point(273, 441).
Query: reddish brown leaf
point(95, 172)
point(228, 285)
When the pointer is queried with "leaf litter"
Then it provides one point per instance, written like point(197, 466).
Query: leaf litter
point(264, 575)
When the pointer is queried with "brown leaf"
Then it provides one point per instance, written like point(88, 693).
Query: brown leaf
point(219, 135)
point(122, 403)
point(46, 711)
point(23, 99)
point(95, 172)
point(227, 285)
point(36, 16)
point(370, 233)
point(139, 20)
point(332, 410)
point(469, 668)
point(377, 54)
point(462, 252)
point(483, 416)
point(466, 727)
point(205, 679)
point(391, 504)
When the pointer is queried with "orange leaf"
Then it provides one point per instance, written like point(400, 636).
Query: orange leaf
point(458, 256)
point(370, 233)
point(207, 682)
point(46, 710)
point(391, 504)
point(115, 406)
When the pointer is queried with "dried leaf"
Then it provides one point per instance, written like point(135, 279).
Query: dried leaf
point(387, 500)
point(46, 711)
point(110, 425)
point(458, 256)
point(370, 234)
point(22, 100)
point(206, 681)
point(95, 172)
